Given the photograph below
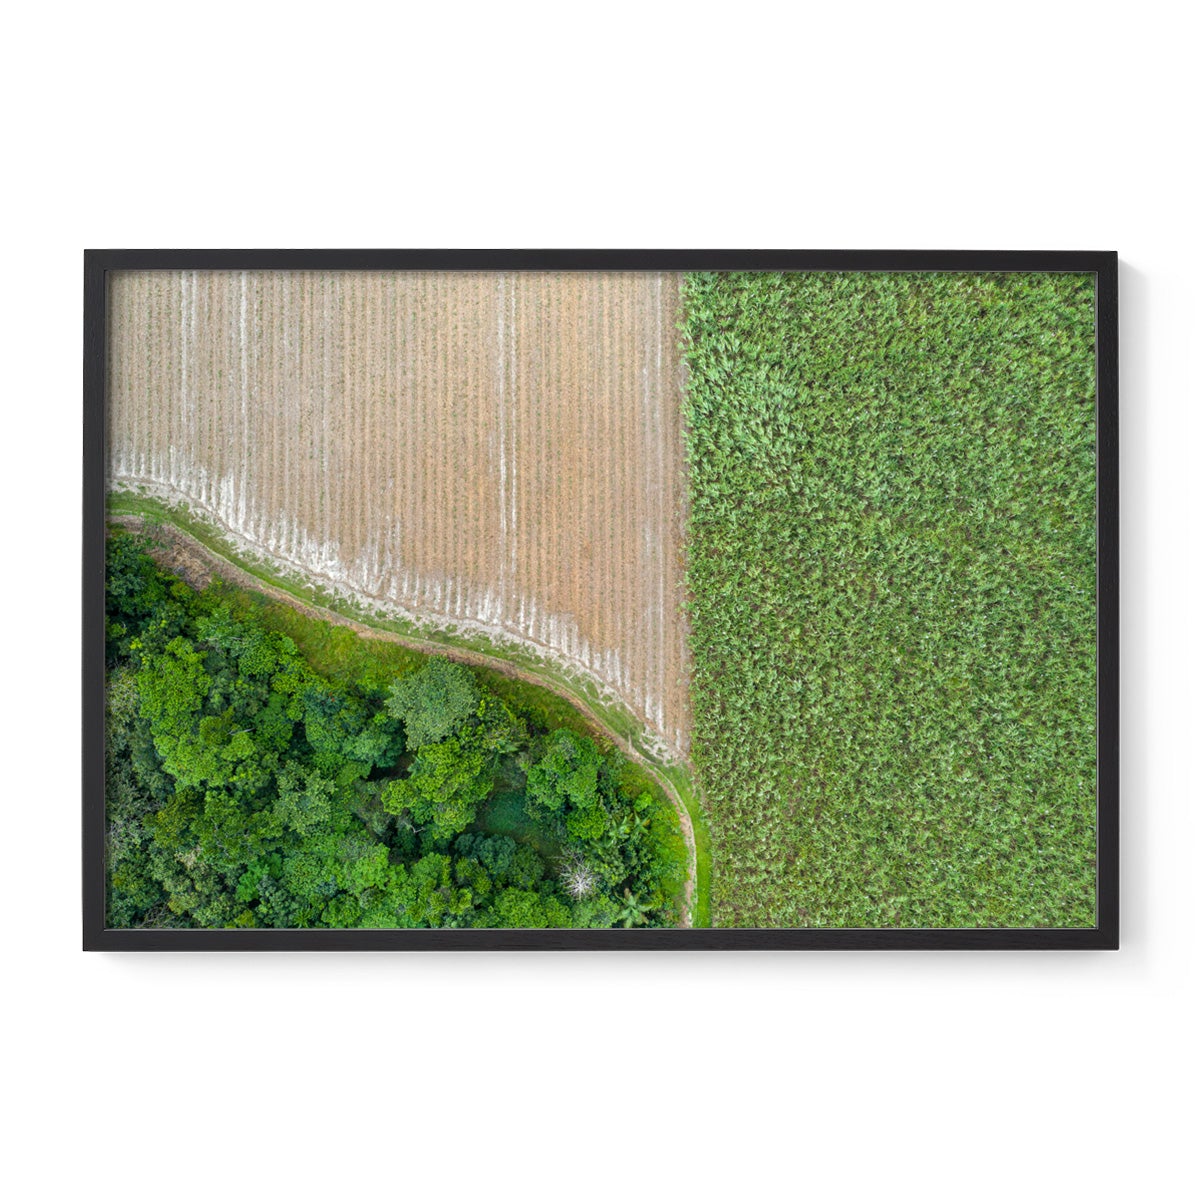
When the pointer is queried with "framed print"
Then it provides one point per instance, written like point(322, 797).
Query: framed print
point(600, 600)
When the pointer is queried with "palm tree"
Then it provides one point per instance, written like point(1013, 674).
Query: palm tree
point(634, 825)
point(633, 911)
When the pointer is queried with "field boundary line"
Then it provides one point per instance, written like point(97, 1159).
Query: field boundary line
point(225, 568)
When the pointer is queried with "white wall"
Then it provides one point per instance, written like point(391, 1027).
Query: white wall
point(1023, 125)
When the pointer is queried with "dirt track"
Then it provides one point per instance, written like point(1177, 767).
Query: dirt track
point(486, 449)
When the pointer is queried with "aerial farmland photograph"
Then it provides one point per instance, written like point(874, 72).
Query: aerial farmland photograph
point(600, 600)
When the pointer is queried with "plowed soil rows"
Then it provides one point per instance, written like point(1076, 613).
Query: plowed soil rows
point(492, 450)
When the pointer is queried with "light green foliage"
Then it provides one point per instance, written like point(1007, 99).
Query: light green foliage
point(891, 561)
point(304, 800)
point(516, 908)
point(446, 783)
point(173, 687)
point(568, 773)
point(633, 910)
point(435, 702)
point(432, 898)
point(567, 778)
point(449, 777)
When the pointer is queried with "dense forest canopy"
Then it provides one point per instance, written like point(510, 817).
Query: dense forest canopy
point(247, 788)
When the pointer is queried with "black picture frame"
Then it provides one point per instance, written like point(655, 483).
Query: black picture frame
point(1102, 264)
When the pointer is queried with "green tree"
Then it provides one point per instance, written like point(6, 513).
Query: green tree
point(633, 911)
point(445, 784)
point(429, 897)
point(567, 773)
point(304, 801)
point(243, 786)
point(434, 702)
point(517, 908)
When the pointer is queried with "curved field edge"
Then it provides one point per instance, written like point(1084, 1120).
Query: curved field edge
point(507, 665)
point(496, 450)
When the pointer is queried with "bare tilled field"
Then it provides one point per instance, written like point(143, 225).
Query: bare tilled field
point(490, 451)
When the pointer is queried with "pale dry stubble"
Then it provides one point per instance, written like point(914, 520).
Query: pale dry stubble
point(495, 451)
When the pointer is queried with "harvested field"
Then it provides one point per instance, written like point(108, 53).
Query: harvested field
point(494, 451)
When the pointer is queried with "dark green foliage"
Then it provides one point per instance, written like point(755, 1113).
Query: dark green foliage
point(507, 813)
point(245, 788)
point(891, 564)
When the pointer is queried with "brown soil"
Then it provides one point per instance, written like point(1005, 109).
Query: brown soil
point(495, 450)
